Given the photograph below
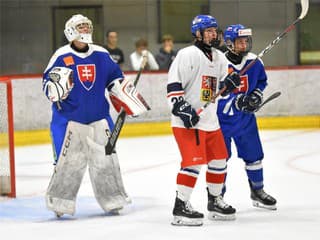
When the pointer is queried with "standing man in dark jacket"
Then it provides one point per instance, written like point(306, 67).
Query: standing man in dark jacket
point(166, 53)
point(112, 46)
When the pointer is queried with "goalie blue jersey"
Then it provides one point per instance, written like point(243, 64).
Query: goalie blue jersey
point(232, 121)
point(93, 71)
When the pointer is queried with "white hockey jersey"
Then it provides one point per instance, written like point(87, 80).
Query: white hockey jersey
point(193, 76)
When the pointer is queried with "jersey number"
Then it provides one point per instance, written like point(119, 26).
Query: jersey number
point(174, 100)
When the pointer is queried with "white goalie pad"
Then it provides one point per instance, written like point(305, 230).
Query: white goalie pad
point(105, 172)
point(60, 83)
point(65, 182)
point(84, 144)
point(125, 95)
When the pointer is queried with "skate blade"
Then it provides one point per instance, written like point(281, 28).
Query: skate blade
point(221, 217)
point(183, 221)
point(115, 211)
point(261, 205)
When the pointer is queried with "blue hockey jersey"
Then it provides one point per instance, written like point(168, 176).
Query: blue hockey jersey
point(93, 71)
point(232, 121)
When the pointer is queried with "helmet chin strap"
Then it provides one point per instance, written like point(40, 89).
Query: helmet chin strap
point(240, 54)
point(234, 57)
point(85, 38)
point(213, 43)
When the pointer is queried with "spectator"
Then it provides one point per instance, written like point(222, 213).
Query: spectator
point(136, 56)
point(166, 53)
point(112, 47)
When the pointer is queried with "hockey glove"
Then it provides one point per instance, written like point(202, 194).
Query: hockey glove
point(231, 82)
point(125, 95)
point(59, 84)
point(255, 97)
point(186, 113)
point(242, 103)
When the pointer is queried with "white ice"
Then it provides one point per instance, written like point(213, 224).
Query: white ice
point(149, 166)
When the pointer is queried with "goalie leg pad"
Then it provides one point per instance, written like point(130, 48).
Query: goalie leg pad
point(101, 136)
point(69, 171)
point(118, 177)
point(105, 172)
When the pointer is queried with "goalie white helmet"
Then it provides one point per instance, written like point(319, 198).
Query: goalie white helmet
point(73, 26)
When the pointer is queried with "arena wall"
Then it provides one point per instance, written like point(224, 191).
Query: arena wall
point(299, 86)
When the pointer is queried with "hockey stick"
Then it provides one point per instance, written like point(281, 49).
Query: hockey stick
point(270, 98)
point(122, 115)
point(304, 11)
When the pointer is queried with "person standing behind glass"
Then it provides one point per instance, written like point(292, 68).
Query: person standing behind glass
point(112, 47)
point(166, 53)
point(136, 56)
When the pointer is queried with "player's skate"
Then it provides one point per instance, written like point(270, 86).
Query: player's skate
point(218, 209)
point(184, 215)
point(263, 200)
point(58, 214)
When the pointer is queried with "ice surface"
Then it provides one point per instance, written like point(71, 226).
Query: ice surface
point(149, 166)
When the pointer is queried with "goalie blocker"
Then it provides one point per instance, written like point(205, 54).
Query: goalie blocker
point(125, 95)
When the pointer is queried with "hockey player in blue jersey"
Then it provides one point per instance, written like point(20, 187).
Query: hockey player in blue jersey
point(236, 111)
point(78, 80)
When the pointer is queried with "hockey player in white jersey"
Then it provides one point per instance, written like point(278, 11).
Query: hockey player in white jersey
point(236, 111)
point(76, 80)
point(193, 79)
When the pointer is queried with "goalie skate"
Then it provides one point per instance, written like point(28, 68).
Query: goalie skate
point(184, 215)
point(58, 214)
point(261, 199)
point(219, 210)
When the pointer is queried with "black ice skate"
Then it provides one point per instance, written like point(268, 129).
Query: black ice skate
point(184, 215)
point(263, 200)
point(58, 214)
point(218, 209)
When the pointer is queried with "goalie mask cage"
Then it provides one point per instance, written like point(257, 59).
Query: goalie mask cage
point(7, 165)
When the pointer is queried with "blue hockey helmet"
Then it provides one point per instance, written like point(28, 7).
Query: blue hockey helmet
point(235, 31)
point(202, 22)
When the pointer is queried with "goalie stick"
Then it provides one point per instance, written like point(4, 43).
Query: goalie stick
point(122, 115)
point(270, 98)
point(304, 11)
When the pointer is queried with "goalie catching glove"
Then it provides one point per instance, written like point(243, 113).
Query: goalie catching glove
point(60, 83)
point(124, 95)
